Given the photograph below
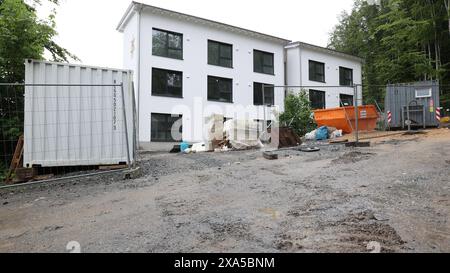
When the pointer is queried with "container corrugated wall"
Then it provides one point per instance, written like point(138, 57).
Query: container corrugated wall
point(76, 125)
point(398, 96)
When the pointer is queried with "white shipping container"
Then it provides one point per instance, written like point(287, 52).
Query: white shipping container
point(76, 125)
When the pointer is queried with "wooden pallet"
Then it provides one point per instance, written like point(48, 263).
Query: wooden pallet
point(16, 161)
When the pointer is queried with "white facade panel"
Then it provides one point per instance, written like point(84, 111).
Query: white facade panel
point(76, 125)
point(298, 73)
point(194, 106)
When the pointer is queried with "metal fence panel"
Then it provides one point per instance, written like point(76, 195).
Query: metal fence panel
point(74, 115)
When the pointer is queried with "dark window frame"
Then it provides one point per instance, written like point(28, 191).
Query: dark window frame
point(261, 61)
point(314, 75)
point(314, 104)
point(221, 45)
point(166, 92)
point(219, 79)
point(168, 47)
point(343, 79)
point(346, 97)
point(257, 87)
point(170, 118)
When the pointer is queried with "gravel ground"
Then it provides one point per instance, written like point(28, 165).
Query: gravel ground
point(340, 199)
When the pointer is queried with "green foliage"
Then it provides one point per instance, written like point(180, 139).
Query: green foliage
point(23, 35)
point(400, 40)
point(3, 172)
point(298, 113)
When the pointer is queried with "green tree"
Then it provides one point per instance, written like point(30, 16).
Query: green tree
point(22, 36)
point(298, 113)
point(400, 40)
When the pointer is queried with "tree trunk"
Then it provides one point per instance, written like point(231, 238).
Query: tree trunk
point(447, 6)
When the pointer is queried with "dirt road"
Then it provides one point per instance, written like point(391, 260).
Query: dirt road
point(395, 193)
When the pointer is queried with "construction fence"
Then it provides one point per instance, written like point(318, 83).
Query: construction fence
point(52, 130)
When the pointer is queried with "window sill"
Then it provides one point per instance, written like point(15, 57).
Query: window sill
point(228, 102)
point(179, 59)
point(167, 96)
point(216, 65)
point(264, 73)
point(317, 81)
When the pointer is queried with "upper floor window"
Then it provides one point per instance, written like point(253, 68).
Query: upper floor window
point(263, 97)
point(220, 54)
point(345, 76)
point(167, 44)
point(220, 89)
point(263, 62)
point(167, 83)
point(316, 71)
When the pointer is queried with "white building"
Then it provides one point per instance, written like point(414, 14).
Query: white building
point(328, 75)
point(187, 68)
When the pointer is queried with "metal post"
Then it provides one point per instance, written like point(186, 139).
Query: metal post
point(126, 125)
point(264, 107)
point(408, 117)
point(355, 90)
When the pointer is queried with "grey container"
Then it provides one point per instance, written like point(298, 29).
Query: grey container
point(420, 99)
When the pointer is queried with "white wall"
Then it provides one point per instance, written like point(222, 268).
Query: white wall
point(298, 73)
point(194, 105)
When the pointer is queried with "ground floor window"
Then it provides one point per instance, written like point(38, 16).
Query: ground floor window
point(346, 100)
point(166, 127)
point(261, 123)
point(317, 99)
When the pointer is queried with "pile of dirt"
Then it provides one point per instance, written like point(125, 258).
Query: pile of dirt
point(353, 157)
point(363, 227)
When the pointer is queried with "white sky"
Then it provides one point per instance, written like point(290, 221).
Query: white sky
point(88, 27)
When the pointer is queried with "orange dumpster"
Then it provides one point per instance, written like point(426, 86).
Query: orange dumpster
point(343, 118)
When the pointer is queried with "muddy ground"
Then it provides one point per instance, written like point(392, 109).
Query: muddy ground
point(340, 199)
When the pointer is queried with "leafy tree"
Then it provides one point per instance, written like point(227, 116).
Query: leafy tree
point(400, 40)
point(298, 113)
point(22, 36)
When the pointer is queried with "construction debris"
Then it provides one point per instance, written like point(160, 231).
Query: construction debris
point(310, 149)
point(270, 156)
point(285, 137)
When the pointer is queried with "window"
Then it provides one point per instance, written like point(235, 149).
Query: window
point(316, 71)
point(258, 94)
point(423, 93)
point(345, 76)
point(220, 54)
point(220, 89)
point(166, 128)
point(263, 62)
point(167, 83)
point(167, 44)
point(346, 100)
point(260, 123)
point(317, 99)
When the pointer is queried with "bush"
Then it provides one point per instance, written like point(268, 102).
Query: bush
point(298, 113)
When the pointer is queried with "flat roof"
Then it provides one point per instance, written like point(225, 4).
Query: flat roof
point(325, 50)
point(136, 6)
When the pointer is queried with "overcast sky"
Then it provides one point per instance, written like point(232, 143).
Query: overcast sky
point(88, 27)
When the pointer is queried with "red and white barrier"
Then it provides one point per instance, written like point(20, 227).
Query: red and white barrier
point(389, 117)
point(438, 114)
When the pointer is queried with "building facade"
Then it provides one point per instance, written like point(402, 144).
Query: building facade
point(327, 75)
point(187, 68)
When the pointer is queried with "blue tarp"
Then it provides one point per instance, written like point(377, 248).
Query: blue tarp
point(322, 133)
